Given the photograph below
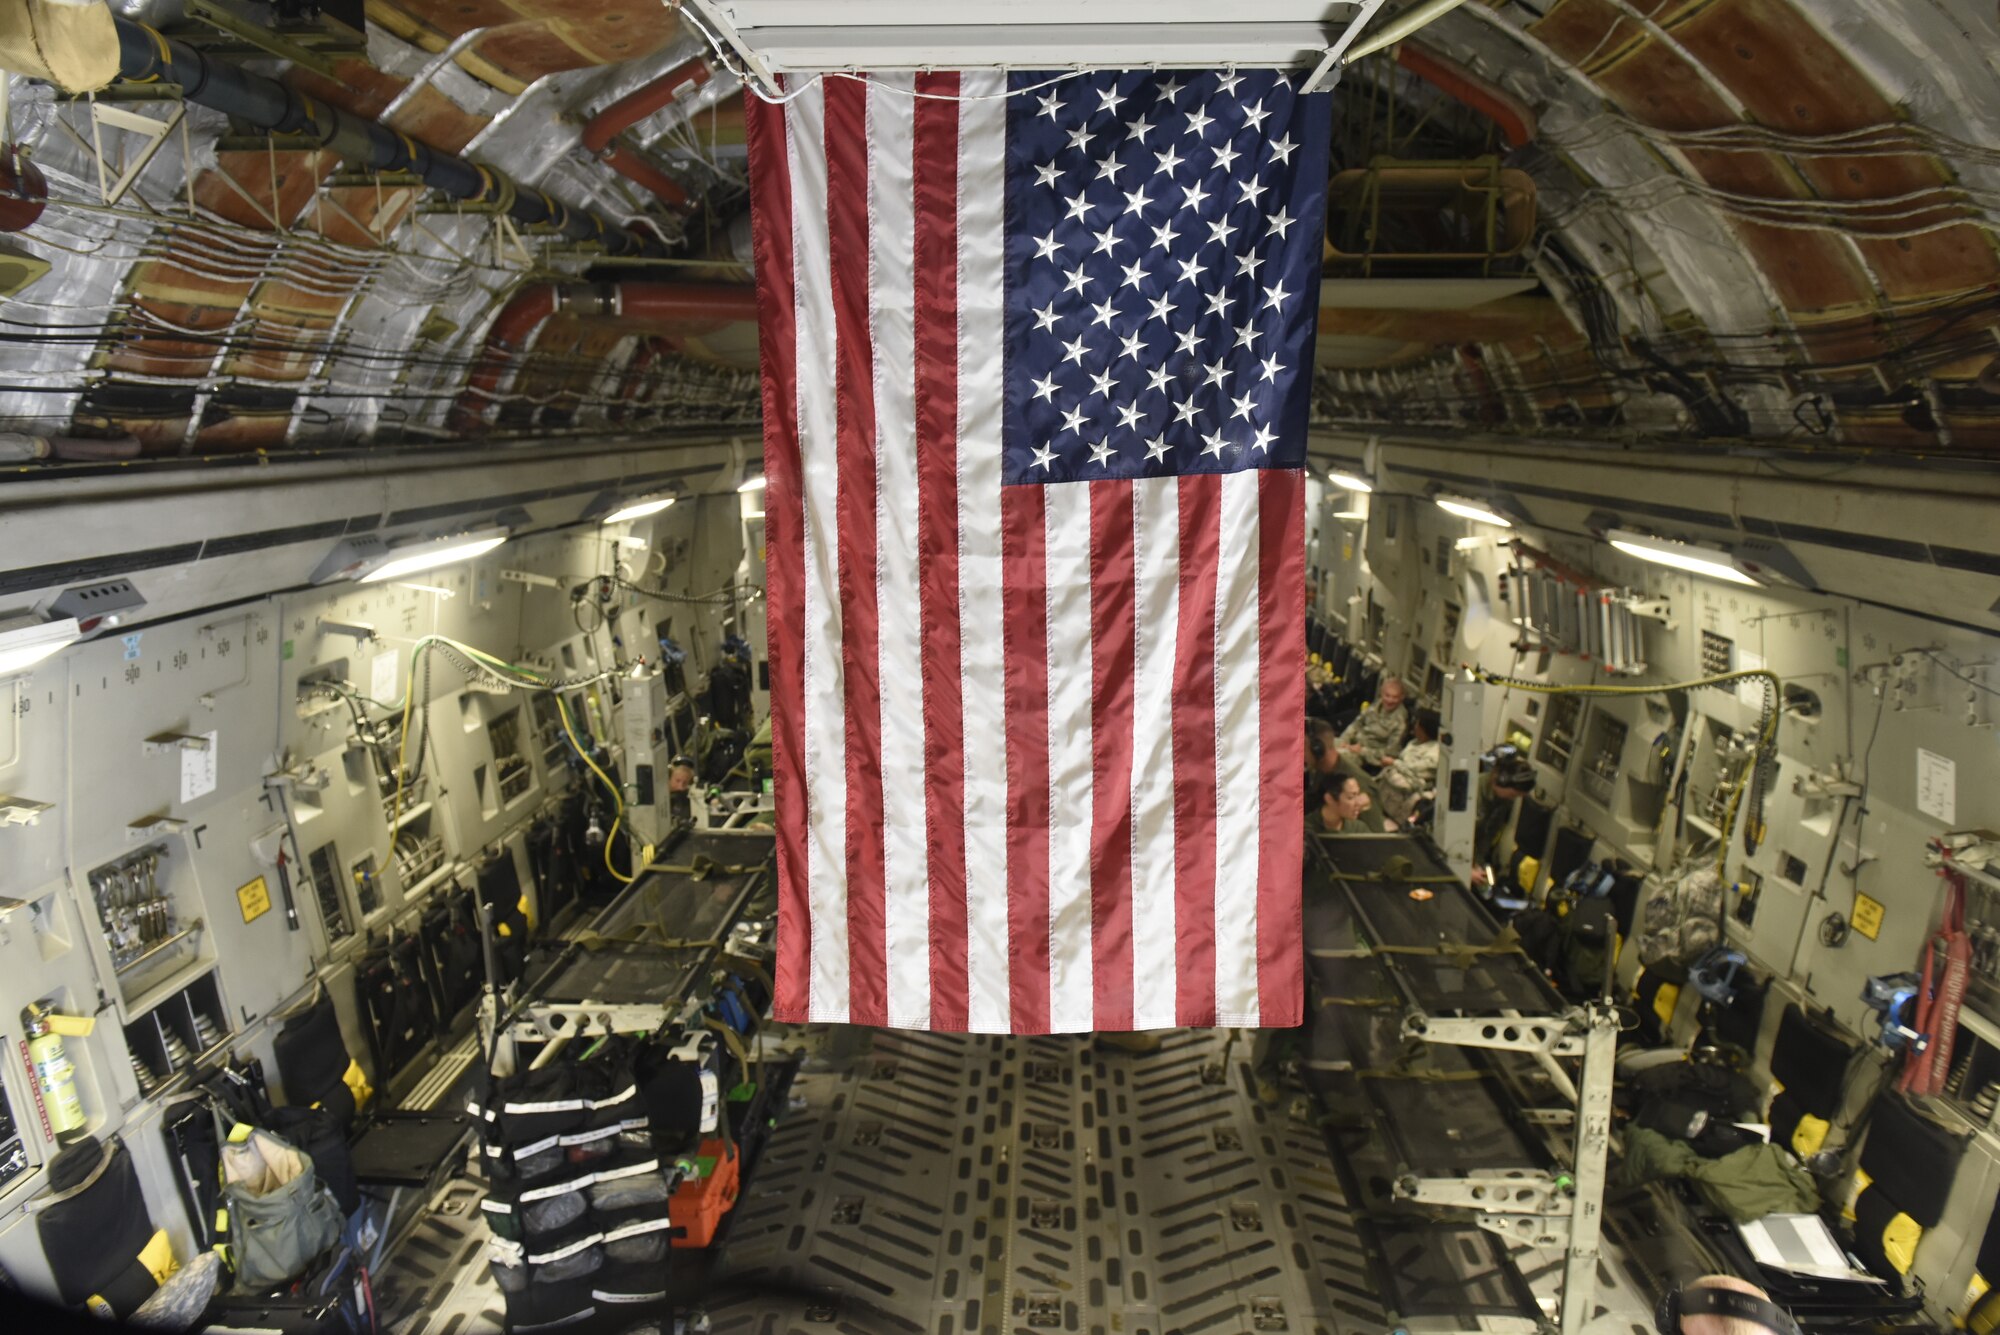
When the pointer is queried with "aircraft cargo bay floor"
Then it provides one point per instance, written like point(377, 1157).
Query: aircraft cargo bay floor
point(941, 1184)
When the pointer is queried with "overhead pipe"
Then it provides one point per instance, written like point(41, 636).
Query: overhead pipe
point(1396, 29)
point(148, 56)
point(690, 307)
point(1514, 117)
point(634, 107)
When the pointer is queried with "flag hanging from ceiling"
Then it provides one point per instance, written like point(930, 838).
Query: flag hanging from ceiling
point(1036, 360)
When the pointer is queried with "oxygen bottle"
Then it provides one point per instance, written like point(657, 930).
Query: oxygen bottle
point(54, 1071)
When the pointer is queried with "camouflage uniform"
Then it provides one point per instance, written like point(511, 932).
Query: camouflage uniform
point(1409, 774)
point(1378, 732)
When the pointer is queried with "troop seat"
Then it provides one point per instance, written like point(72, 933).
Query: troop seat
point(1809, 1064)
point(1908, 1163)
point(390, 1148)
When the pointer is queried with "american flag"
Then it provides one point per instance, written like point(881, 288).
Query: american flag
point(1036, 355)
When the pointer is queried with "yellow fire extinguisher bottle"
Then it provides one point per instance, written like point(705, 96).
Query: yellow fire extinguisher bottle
point(55, 1073)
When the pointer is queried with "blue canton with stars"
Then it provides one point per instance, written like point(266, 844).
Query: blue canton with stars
point(1163, 263)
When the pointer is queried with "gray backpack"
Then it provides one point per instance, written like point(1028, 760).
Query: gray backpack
point(280, 1217)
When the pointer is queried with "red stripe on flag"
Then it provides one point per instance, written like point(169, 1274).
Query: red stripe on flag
point(935, 156)
point(1194, 749)
point(1281, 696)
point(1113, 608)
point(854, 399)
point(1025, 630)
point(777, 332)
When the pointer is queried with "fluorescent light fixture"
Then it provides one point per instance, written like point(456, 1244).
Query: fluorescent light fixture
point(369, 558)
point(639, 509)
point(1479, 512)
point(753, 514)
point(402, 562)
point(1351, 515)
point(1713, 562)
point(1350, 481)
point(753, 484)
point(27, 640)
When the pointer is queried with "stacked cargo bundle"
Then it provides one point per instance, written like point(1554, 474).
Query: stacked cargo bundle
point(578, 1203)
point(589, 1188)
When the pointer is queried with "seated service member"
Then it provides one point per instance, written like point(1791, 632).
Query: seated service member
point(1414, 772)
point(1343, 807)
point(1376, 733)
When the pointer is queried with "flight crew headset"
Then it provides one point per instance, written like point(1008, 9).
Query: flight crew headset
point(1679, 1302)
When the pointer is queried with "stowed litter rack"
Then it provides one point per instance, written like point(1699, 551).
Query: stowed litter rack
point(1467, 1105)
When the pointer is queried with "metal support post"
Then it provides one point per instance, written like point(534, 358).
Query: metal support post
point(1458, 787)
point(1593, 1145)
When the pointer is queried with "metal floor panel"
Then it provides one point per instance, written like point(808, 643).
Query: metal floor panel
point(436, 1282)
point(952, 1185)
point(940, 1184)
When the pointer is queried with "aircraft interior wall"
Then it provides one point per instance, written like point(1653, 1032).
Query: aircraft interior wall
point(277, 751)
point(1886, 743)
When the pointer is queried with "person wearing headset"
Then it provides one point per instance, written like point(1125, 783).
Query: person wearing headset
point(1721, 1305)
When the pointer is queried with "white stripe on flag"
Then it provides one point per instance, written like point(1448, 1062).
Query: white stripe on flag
point(825, 688)
point(1072, 1006)
point(899, 640)
point(982, 194)
point(1156, 542)
point(1238, 762)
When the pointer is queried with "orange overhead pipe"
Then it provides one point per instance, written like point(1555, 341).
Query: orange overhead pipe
point(1514, 117)
point(628, 111)
point(686, 307)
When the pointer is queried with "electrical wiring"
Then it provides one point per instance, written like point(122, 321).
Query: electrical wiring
point(1757, 775)
point(716, 598)
point(478, 665)
point(1897, 138)
point(617, 798)
point(1947, 668)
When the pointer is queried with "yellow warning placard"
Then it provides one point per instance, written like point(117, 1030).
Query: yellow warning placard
point(1868, 916)
point(254, 899)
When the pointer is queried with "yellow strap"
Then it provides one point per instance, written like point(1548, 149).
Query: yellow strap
point(357, 1084)
point(158, 1256)
point(1899, 1242)
point(1664, 1001)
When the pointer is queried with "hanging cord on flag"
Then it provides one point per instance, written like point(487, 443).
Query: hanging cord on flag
point(727, 59)
point(779, 99)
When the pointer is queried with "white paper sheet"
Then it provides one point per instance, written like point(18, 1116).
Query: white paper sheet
point(1937, 786)
point(1799, 1244)
point(382, 679)
point(198, 771)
